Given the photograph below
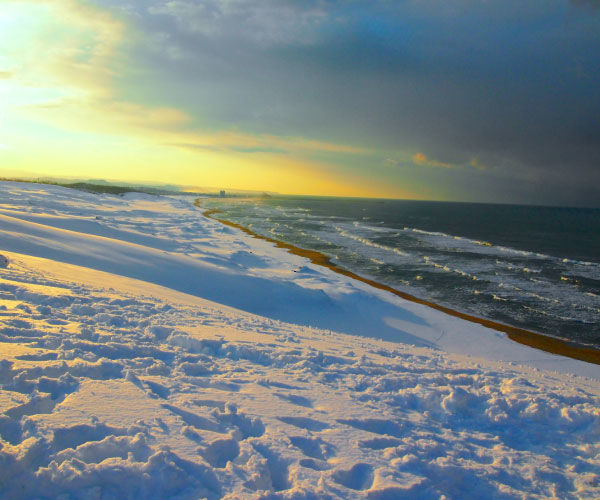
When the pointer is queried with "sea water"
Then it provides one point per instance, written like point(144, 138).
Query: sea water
point(536, 268)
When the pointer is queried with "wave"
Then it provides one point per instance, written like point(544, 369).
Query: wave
point(365, 241)
point(537, 290)
point(480, 246)
point(444, 240)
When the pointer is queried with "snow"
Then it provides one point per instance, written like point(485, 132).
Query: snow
point(149, 352)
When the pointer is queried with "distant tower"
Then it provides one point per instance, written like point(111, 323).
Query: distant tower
point(222, 193)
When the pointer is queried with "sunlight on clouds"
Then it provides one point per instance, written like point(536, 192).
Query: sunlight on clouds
point(246, 143)
point(419, 158)
point(74, 85)
point(422, 159)
point(306, 96)
point(53, 51)
point(58, 44)
point(96, 114)
point(477, 164)
point(61, 59)
point(49, 52)
point(62, 65)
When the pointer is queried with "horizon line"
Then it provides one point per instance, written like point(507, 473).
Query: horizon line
point(185, 189)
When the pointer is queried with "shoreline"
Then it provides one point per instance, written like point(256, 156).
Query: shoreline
point(538, 341)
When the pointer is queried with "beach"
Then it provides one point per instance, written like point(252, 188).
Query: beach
point(532, 268)
point(536, 340)
point(148, 350)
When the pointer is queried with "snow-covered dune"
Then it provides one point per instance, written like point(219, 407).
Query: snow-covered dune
point(149, 352)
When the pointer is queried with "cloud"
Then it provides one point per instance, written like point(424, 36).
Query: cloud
point(422, 159)
point(81, 61)
point(477, 164)
point(237, 142)
point(419, 158)
point(86, 63)
point(449, 80)
point(266, 22)
point(230, 148)
point(99, 114)
point(594, 4)
point(61, 43)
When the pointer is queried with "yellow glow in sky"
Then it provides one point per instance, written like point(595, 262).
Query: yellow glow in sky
point(63, 114)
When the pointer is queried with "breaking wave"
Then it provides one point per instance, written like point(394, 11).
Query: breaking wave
point(482, 275)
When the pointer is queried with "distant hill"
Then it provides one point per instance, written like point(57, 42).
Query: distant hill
point(119, 188)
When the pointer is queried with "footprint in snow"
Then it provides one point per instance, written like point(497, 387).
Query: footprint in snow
point(313, 447)
point(278, 467)
point(76, 435)
point(375, 425)
point(221, 451)
point(295, 399)
point(157, 390)
point(379, 443)
point(196, 421)
point(210, 403)
point(304, 423)
point(309, 463)
point(359, 477)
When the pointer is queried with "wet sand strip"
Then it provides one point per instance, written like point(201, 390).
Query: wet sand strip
point(525, 337)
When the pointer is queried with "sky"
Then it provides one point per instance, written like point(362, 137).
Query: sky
point(488, 101)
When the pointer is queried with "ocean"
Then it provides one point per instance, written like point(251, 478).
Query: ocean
point(531, 267)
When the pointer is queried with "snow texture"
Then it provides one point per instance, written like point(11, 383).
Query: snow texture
point(148, 352)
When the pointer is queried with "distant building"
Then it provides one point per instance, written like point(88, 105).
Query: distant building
point(222, 193)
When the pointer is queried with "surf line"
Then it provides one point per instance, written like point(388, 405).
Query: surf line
point(545, 343)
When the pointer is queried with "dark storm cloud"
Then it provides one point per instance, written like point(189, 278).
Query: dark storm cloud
point(586, 3)
point(512, 85)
